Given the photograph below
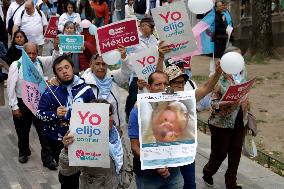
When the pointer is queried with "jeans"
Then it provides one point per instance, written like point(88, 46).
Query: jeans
point(188, 173)
point(154, 180)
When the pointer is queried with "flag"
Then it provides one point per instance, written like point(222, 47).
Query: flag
point(33, 85)
point(203, 32)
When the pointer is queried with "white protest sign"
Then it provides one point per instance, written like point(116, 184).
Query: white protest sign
point(173, 27)
point(145, 62)
point(90, 126)
point(167, 129)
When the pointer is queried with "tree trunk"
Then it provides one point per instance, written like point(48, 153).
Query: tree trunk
point(261, 38)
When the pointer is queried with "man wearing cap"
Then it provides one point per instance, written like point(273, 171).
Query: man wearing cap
point(179, 81)
point(167, 177)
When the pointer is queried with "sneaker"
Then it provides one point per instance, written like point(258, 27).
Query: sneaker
point(238, 186)
point(51, 165)
point(23, 159)
point(208, 181)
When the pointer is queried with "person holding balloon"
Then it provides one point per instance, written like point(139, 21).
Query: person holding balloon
point(226, 121)
point(104, 83)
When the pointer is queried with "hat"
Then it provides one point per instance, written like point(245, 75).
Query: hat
point(148, 20)
point(174, 71)
point(179, 63)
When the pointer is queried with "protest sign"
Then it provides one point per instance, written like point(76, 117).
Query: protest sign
point(71, 43)
point(33, 85)
point(89, 124)
point(167, 129)
point(145, 62)
point(52, 27)
point(119, 33)
point(173, 27)
point(236, 92)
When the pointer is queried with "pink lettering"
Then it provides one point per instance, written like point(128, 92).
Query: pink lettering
point(83, 117)
point(99, 119)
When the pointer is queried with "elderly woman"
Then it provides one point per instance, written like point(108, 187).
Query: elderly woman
point(227, 130)
point(105, 84)
point(96, 177)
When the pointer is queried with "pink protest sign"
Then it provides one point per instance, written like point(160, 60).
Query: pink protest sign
point(119, 33)
point(51, 30)
point(89, 124)
point(174, 28)
point(145, 62)
point(236, 92)
point(31, 95)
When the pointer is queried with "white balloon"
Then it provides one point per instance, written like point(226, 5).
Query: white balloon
point(200, 6)
point(232, 63)
point(111, 57)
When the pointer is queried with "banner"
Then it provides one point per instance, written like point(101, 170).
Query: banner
point(89, 124)
point(145, 62)
point(119, 33)
point(52, 27)
point(236, 92)
point(33, 85)
point(71, 43)
point(167, 129)
point(173, 27)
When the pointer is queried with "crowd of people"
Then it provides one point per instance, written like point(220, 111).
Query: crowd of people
point(85, 77)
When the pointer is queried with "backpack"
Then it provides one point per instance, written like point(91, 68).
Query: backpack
point(39, 12)
point(11, 21)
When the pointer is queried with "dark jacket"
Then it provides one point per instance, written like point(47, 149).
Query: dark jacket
point(220, 37)
point(12, 55)
point(56, 127)
point(140, 6)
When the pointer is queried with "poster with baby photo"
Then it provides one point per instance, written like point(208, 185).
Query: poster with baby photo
point(167, 129)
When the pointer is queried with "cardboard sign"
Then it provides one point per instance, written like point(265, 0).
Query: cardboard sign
point(167, 129)
point(89, 124)
point(236, 92)
point(119, 33)
point(33, 85)
point(52, 27)
point(71, 43)
point(145, 62)
point(173, 27)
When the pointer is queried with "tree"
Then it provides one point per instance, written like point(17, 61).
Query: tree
point(261, 38)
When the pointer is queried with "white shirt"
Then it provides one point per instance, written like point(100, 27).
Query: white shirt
point(13, 6)
point(32, 25)
point(74, 17)
point(15, 77)
point(129, 12)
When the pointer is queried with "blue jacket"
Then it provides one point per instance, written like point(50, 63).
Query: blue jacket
point(56, 127)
